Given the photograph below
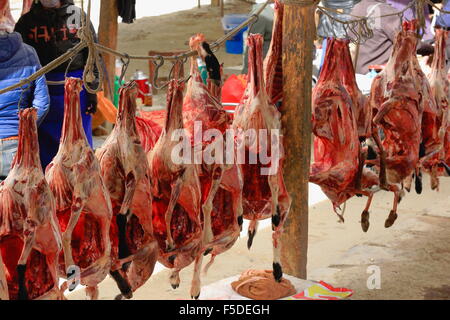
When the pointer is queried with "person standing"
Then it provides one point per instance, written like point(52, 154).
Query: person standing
point(51, 27)
point(377, 49)
point(385, 26)
point(17, 62)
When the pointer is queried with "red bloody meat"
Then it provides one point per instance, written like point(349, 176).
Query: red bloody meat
point(399, 96)
point(30, 239)
point(83, 205)
point(125, 171)
point(221, 183)
point(338, 166)
point(265, 194)
point(176, 195)
point(434, 162)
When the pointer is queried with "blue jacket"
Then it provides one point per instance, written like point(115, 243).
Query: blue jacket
point(443, 19)
point(19, 61)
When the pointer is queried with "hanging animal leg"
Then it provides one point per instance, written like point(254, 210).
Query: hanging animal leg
point(123, 285)
point(208, 205)
point(418, 181)
point(196, 282)
point(168, 214)
point(365, 214)
point(175, 278)
point(92, 293)
point(382, 153)
point(209, 264)
point(408, 182)
point(237, 207)
point(124, 214)
point(362, 160)
point(252, 228)
point(434, 180)
point(276, 220)
point(393, 214)
point(77, 206)
point(22, 263)
point(143, 264)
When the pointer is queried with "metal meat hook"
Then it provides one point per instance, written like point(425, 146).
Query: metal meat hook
point(124, 67)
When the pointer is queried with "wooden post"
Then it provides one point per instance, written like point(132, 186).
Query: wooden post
point(215, 3)
point(107, 36)
point(222, 7)
point(198, 4)
point(298, 40)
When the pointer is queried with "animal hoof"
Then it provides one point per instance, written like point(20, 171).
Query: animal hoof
point(207, 251)
point(277, 272)
point(175, 286)
point(119, 297)
point(365, 221)
point(276, 219)
point(240, 221)
point(172, 258)
point(391, 219)
point(196, 297)
point(418, 184)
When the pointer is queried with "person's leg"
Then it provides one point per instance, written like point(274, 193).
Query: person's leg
point(49, 132)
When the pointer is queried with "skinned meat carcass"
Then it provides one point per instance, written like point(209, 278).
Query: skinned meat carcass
point(338, 166)
point(440, 90)
point(398, 98)
point(5, 14)
point(196, 43)
point(360, 105)
point(30, 238)
point(176, 195)
point(26, 6)
point(206, 122)
point(273, 63)
point(149, 133)
point(125, 171)
point(257, 125)
point(83, 205)
point(3, 284)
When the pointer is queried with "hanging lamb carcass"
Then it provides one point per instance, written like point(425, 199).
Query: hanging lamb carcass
point(338, 166)
point(436, 163)
point(5, 14)
point(273, 63)
point(125, 171)
point(257, 125)
point(26, 6)
point(206, 122)
point(176, 195)
point(83, 205)
point(30, 238)
point(398, 98)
